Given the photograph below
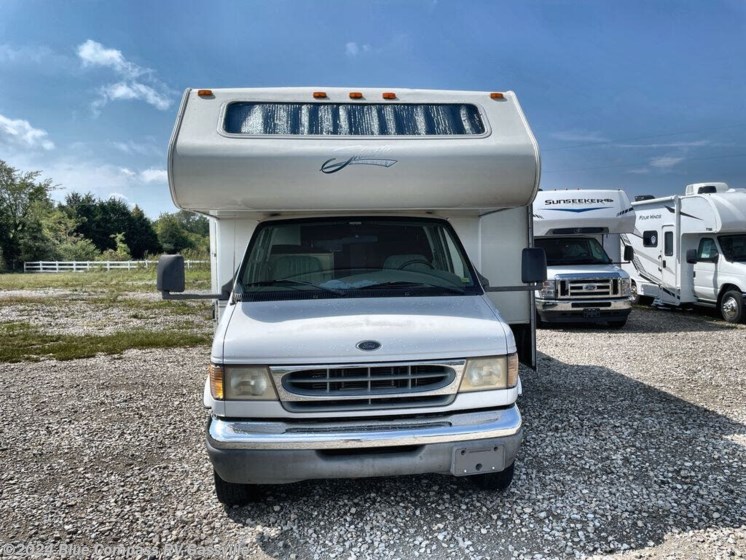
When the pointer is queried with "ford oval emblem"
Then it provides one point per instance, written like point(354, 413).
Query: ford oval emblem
point(368, 345)
point(590, 287)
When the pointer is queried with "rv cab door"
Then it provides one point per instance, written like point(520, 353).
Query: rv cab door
point(705, 270)
point(667, 267)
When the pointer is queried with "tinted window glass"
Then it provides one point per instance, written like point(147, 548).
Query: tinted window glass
point(707, 248)
point(650, 238)
point(668, 243)
point(355, 257)
point(352, 119)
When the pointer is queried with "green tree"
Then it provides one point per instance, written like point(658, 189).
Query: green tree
point(24, 200)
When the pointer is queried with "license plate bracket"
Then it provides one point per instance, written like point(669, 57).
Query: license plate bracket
point(591, 312)
point(477, 459)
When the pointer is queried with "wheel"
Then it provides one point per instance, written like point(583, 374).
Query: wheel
point(617, 324)
point(731, 306)
point(494, 481)
point(231, 494)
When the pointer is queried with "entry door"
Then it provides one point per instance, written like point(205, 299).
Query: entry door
point(705, 269)
point(667, 267)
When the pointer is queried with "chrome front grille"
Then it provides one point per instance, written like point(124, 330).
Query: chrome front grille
point(589, 288)
point(366, 387)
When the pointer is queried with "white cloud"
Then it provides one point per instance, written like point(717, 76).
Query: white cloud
point(154, 176)
point(127, 172)
point(665, 162)
point(135, 83)
point(131, 90)
point(695, 144)
point(353, 49)
point(119, 196)
point(20, 133)
point(92, 53)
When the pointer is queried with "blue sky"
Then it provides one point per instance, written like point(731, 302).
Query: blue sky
point(641, 95)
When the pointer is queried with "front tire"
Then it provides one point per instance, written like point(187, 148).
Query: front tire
point(231, 494)
point(494, 481)
point(731, 306)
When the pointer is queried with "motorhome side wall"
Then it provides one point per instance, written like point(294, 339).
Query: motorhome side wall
point(228, 240)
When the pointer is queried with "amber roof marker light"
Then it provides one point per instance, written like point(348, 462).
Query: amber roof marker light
point(205, 93)
point(497, 96)
point(389, 95)
point(319, 95)
point(356, 95)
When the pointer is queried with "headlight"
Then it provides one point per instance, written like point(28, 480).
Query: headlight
point(626, 287)
point(241, 383)
point(548, 289)
point(484, 374)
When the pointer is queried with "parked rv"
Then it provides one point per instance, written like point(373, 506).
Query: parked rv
point(372, 255)
point(691, 249)
point(579, 230)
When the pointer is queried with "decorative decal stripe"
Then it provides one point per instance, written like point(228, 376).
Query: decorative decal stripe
point(578, 210)
point(673, 211)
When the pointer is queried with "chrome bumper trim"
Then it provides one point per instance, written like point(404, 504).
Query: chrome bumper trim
point(240, 434)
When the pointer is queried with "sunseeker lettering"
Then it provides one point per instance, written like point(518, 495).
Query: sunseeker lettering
point(579, 201)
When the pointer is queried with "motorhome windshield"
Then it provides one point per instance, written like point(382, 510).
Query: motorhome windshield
point(734, 247)
point(354, 257)
point(572, 250)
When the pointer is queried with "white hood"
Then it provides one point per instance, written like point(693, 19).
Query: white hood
point(586, 269)
point(327, 331)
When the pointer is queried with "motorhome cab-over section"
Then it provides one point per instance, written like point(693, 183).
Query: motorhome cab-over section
point(372, 252)
point(690, 249)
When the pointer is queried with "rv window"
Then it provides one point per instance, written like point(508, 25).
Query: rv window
point(650, 238)
point(707, 249)
point(734, 247)
point(668, 243)
point(352, 119)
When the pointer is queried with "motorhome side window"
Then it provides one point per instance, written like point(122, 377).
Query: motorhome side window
point(361, 257)
point(668, 243)
point(734, 247)
point(650, 238)
point(353, 119)
point(707, 248)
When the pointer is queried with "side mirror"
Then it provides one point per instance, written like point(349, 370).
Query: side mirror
point(691, 256)
point(483, 280)
point(533, 265)
point(170, 273)
point(629, 253)
point(715, 257)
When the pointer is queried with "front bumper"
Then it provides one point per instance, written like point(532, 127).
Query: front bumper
point(553, 310)
point(255, 452)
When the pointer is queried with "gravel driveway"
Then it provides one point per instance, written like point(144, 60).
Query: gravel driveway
point(635, 446)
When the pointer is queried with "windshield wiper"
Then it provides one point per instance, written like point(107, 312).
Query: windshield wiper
point(404, 284)
point(292, 284)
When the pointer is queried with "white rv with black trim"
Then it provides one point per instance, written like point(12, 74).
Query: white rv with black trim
point(691, 249)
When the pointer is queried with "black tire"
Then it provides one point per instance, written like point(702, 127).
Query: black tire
point(731, 306)
point(617, 324)
point(231, 494)
point(494, 481)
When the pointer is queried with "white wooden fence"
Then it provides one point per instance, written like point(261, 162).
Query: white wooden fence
point(82, 266)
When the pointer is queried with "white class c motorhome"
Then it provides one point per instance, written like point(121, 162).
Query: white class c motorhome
point(691, 249)
point(579, 231)
point(354, 233)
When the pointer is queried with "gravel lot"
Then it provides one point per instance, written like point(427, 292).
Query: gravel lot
point(635, 446)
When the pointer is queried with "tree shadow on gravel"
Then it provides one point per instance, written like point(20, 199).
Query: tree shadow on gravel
point(608, 464)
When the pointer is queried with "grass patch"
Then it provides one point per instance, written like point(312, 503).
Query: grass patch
point(114, 281)
point(20, 342)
